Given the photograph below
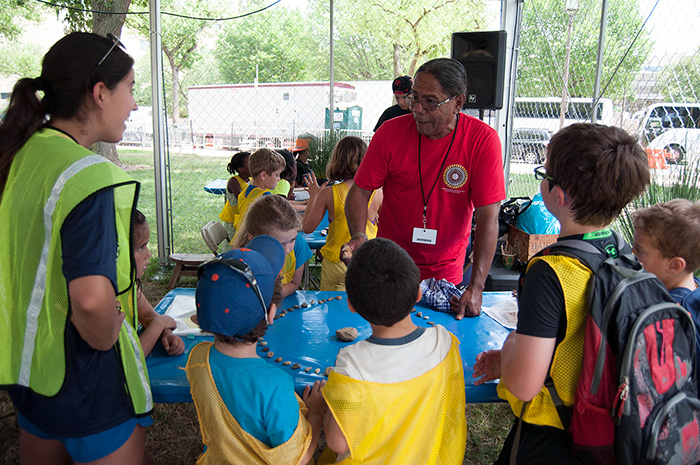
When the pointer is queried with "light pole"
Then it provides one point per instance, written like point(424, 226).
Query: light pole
point(571, 7)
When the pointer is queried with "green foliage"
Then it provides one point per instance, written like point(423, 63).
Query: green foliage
point(11, 14)
point(180, 43)
point(544, 33)
point(382, 40)
point(320, 151)
point(681, 82)
point(678, 182)
point(276, 40)
point(20, 59)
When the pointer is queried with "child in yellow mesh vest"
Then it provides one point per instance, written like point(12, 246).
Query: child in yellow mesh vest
point(341, 169)
point(398, 396)
point(247, 408)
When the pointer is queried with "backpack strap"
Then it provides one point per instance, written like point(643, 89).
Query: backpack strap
point(565, 413)
point(516, 440)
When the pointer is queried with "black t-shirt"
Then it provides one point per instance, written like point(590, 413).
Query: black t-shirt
point(389, 113)
point(302, 169)
point(541, 304)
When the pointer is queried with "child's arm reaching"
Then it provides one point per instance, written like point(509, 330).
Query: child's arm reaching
point(157, 326)
point(317, 409)
point(335, 439)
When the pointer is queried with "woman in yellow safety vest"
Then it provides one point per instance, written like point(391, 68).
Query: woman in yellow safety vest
point(69, 352)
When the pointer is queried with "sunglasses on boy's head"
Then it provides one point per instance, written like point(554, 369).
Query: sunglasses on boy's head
point(238, 267)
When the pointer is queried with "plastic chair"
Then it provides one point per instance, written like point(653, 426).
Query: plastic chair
point(214, 234)
point(186, 263)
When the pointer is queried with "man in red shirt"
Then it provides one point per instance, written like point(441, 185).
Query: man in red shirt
point(437, 168)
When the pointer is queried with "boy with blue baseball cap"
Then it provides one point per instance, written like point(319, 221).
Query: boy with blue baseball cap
point(247, 408)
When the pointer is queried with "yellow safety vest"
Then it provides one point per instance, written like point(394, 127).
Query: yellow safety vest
point(568, 356)
point(226, 441)
point(49, 177)
point(421, 420)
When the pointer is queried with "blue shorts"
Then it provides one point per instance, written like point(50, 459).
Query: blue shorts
point(94, 446)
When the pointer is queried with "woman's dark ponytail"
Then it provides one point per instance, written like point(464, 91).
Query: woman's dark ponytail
point(24, 117)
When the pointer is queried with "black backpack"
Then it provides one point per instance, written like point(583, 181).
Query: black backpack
point(636, 401)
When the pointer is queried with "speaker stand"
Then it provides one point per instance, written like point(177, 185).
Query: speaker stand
point(481, 114)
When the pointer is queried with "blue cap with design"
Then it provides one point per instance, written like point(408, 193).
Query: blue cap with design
point(235, 288)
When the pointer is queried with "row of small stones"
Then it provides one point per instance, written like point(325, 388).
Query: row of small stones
point(305, 305)
point(296, 366)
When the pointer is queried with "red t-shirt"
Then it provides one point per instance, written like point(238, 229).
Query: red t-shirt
point(471, 176)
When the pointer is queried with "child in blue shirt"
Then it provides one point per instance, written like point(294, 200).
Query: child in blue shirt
point(248, 411)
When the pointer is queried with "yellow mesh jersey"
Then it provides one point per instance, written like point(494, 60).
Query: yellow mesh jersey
point(568, 356)
point(244, 203)
point(418, 421)
point(289, 267)
point(338, 232)
point(226, 441)
point(228, 214)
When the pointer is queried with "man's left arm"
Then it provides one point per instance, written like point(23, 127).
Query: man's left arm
point(485, 238)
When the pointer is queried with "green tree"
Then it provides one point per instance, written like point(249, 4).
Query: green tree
point(543, 47)
point(680, 82)
point(20, 59)
point(277, 40)
point(381, 40)
point(11, 14)
point(180, 40)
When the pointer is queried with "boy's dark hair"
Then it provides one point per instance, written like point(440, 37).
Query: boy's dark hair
point(238, 160)
point(290, 170)
point(265, 160)
point(260, 330)
point(673, 228)
point(382, 282)
point(600, 168)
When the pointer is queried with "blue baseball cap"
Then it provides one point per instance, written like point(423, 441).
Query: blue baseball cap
point(235, 288)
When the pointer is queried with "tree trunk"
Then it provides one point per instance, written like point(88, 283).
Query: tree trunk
point(175, 78)
point(103, 24)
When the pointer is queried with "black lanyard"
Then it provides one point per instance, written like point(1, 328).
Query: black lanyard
point(420, 174)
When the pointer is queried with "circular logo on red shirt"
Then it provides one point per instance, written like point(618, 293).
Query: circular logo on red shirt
point(455, 176)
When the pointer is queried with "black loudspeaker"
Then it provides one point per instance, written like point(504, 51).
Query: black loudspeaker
point(483, 55)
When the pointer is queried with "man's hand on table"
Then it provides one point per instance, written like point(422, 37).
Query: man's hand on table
point(469, 304)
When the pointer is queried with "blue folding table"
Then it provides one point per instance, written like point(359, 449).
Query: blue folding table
point(306, 336)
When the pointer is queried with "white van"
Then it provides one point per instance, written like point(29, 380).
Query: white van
point(680, 144)
point(660, 117)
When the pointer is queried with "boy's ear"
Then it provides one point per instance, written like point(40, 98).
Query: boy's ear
point(271, 313)
point(420, 294)
point(676, 265)
point(352, 309)
point(561, 196)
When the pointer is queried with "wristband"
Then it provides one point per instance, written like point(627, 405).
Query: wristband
point(360, 234)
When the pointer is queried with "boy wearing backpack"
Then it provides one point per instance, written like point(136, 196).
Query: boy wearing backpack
point(591, 173)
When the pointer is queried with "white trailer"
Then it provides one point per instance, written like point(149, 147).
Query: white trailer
point(266, 114)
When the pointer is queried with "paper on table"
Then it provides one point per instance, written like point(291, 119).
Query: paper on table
point(181, 310)
point(504, 312)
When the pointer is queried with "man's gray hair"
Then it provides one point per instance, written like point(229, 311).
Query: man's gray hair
point(449, 73)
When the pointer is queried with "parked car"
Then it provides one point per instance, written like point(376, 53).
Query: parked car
point(679, 144)
point(530, 145)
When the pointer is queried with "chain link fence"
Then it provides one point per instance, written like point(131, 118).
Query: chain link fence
point(263, 79)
